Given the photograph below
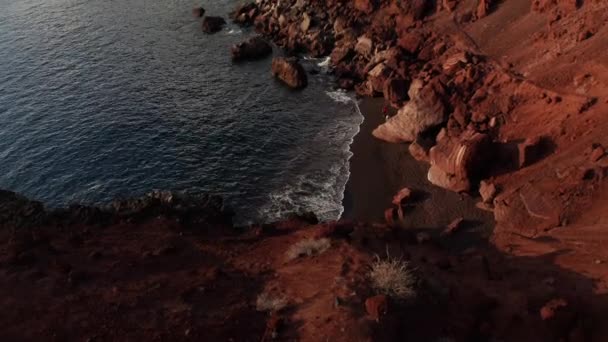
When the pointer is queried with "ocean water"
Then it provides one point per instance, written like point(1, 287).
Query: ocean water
point(104, 99)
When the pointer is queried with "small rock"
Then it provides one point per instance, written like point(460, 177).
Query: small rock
point(213, 24)
point(376, 307)
point(365, 6)
point(198, 12)
point(402, 196)
point(454, 226)
point(423, 237)
point(487, 190)
point(253, 48)
point(389, 216)
point(549, 310)
point(597, 153)
point(305, 25)
point(530, 151)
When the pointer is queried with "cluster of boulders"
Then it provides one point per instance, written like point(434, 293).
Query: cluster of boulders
point(382, 49)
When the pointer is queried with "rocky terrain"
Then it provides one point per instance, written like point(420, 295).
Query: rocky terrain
point(505, 101)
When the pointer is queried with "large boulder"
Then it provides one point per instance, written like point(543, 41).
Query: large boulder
point(459, 163)
point(425, 110)
point(213, 24)
point(290, 72)
point(253, 48)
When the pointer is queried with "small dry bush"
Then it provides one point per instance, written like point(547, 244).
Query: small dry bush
point(269, 302)
point(393, 277)
point(308, 247)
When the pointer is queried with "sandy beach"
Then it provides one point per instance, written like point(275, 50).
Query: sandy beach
point(379, 169)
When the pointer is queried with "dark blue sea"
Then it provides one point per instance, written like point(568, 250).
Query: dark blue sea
point(113, 98)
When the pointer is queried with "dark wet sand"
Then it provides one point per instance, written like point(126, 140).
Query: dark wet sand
point(379, 169)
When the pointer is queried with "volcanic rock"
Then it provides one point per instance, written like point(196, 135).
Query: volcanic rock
point(395, 91)
point(487, 190)
point(198, 12)
point(424, 110)
point(253, 48)
point(376, 307)
point(213, 24)
point(245, 14)
point(457, 163)
point(402, 196)
point(365, 6)
point(483, 8)
point(531, 150)
point(290, 72)
point(454, 226)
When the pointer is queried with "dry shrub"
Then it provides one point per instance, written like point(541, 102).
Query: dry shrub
point(308, 247)
point(269, 302)
point(392, 277)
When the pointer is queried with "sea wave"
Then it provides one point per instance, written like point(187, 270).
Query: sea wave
point(340, 96)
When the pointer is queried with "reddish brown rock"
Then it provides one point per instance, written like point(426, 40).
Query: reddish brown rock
point(377, 77)
point(198, 12)
point(290, 72)
point(365, 6)
point(410, 42)
point(376, 307)
point(419, 152)
point(450, 5)
point(456, 163)
point(252, 48)
point(389, 216)
point(550, 309)
point(213, 24)
point(597, 153)
point(530, 151)
point(402, 196)
point(454, 226)
point(395, 91)
point(483, 8)
point(424, 111)
point(245, 14)
point(487, 190)
point(341, 53)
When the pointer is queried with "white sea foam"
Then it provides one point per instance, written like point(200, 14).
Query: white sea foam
point(322, 190)
point(324, 63)
point(341, 96)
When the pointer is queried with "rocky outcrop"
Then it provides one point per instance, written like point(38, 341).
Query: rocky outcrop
point(290, 71)
point(253, 48)
point(213, 24)
point(424, 111)
point(457, 164)
point(245, 14)
point(17, 211)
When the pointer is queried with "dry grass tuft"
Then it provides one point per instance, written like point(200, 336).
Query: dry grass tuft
point(268, 302)
point(393, 277)
point(308, 247)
